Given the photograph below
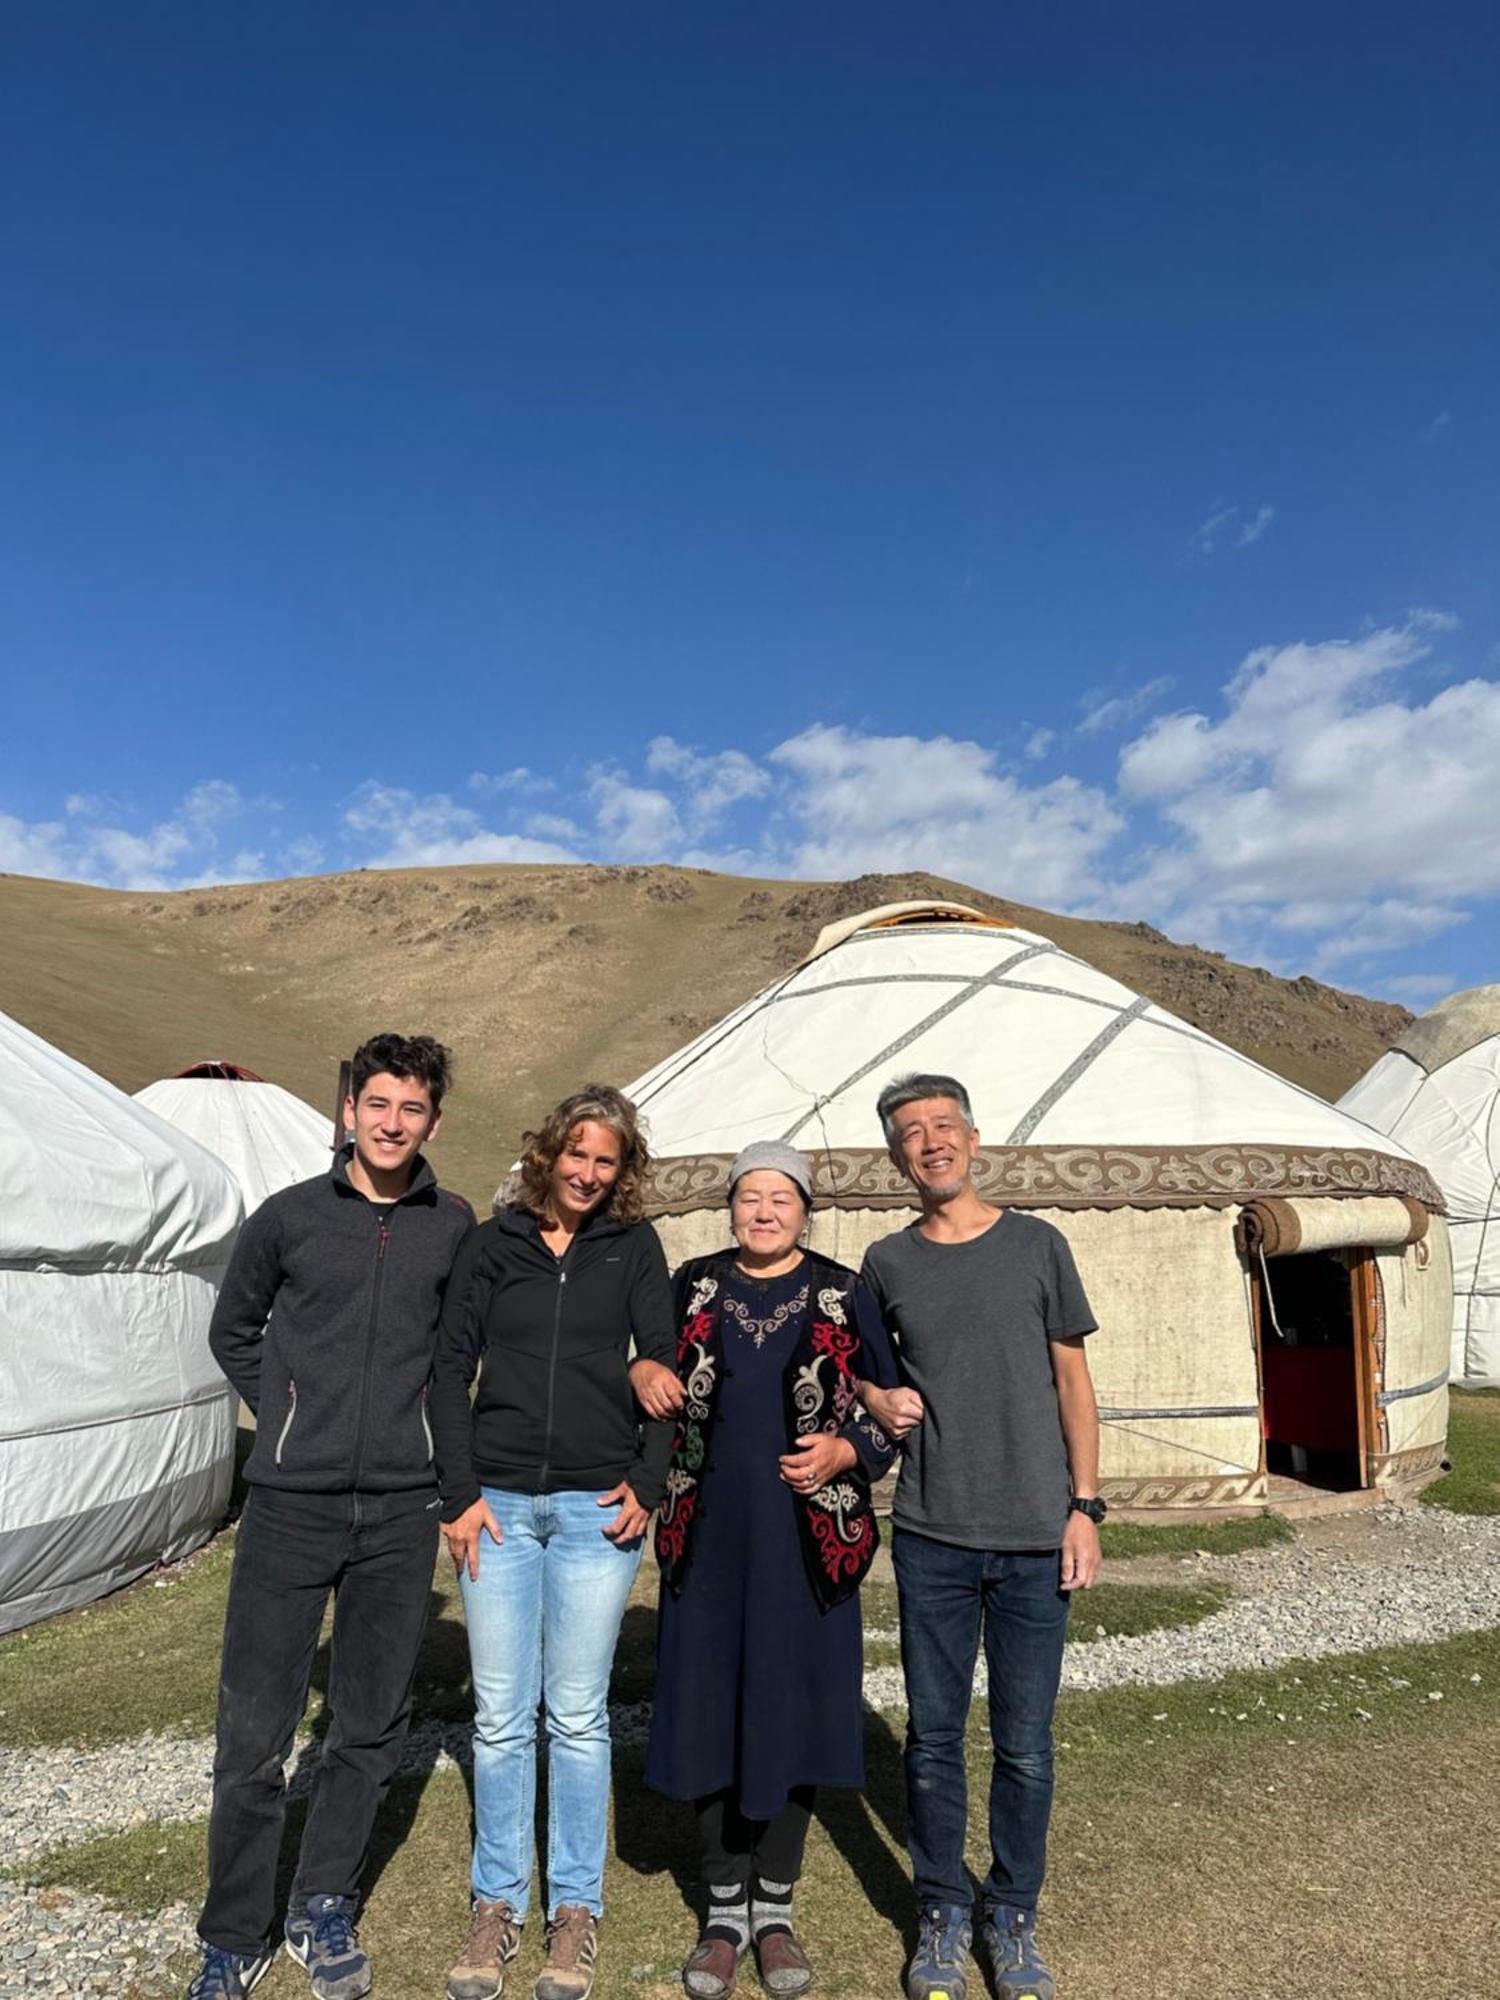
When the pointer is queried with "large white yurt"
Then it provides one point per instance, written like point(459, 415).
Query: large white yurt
point(1436, 1091)
point(267, 1138)
point(1271, 1278)
point(116, 1427)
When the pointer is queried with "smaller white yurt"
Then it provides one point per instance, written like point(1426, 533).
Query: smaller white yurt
point(267, 1138)
point(1437, 1092)
point(116, 1426)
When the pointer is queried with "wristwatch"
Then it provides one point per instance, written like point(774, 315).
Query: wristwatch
point(1095, 1509)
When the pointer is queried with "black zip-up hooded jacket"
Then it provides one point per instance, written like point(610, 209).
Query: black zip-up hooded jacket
point(554, 1412)
point(325, 1324)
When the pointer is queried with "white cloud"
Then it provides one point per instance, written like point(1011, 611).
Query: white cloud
point(1418, 989)
point(434, 831)
point(1433, 431)
point(181, 851)
point(635, 822)
point(1038, 743)
point(892, 803)
point(1102, 710)
point(301, 857)
point(712, 782)
point(553, 826)
point(1234, 526)
point(1323, 802)
point(1205, 537)
point(519, 779)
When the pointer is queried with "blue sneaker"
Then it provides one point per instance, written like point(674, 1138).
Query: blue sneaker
point(321, 1936)
point(939, 1968)
point(227, 1975)
point(1021, 1973)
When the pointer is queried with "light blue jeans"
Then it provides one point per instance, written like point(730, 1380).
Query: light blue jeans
point(543, 1616)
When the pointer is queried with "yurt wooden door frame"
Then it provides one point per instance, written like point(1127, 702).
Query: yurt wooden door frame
point(1320, 1422)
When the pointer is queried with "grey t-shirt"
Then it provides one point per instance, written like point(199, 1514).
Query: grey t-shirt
point(987, 1467)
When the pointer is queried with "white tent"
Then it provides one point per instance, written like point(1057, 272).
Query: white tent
point(116, 1427)
point(1437, 1091)
point(267, 1138)
point(1180, 1170)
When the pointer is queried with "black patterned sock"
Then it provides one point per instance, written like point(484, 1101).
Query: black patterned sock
point(770, 1907)
point(728, 1917)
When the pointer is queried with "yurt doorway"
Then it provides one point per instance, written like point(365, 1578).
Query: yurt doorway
point(1315, 1323)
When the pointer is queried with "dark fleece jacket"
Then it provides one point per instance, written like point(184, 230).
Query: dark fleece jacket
point(554, 1412)
point(325, 1324)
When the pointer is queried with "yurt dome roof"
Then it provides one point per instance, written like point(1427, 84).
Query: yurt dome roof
point(95, 1180)
point(267, 1138)
point(1084, 1092)
point(1451, 1028)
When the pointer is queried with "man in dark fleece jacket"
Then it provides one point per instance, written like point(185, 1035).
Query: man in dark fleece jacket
point(325, 1325)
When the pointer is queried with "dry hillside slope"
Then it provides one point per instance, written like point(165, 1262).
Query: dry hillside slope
point(539, 977)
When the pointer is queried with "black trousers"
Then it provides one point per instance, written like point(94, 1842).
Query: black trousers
point(735, 1848)
point(375, 1552)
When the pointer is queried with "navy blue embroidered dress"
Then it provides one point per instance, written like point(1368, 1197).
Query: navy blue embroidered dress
point(758, 1689)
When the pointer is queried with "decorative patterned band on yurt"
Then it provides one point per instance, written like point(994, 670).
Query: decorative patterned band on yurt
point(1092, 1177)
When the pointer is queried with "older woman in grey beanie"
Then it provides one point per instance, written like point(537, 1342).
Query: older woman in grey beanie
point(764, 1536)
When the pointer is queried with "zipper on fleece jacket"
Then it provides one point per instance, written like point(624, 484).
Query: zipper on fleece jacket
point(286, 1428)
point(562, 1279)
point(383, 1226)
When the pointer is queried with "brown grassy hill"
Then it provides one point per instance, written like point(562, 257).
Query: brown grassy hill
point(539, 977)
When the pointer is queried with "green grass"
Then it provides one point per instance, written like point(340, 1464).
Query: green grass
point(1473, 1486)
point(147, 1659)
point(1108, 1611)
point(1121, 1540)
point(1211, 1841)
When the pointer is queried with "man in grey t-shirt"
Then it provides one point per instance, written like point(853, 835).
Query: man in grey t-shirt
point(995, 1520)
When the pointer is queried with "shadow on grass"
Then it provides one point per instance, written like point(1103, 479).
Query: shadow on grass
point(441, 1693)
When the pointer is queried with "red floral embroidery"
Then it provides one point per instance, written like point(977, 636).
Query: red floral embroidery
point(671, 1536)
point(694, 1333)
point(841, 1558)
point(838, 1342)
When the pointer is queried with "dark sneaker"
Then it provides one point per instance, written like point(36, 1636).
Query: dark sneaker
point(320, 1936)
point(493, 1941)
point(939, 1968)
point(1021, 1973)
point(572, 1945)
point(228, 1975)
point(782, 1964)
point(711, 1968)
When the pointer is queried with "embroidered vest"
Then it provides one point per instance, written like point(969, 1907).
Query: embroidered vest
point(836, 1524)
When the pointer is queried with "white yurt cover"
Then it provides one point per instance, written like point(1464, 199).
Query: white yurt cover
point(116, 1427)
point(1085, 1093)
point(267, 1138)
point(1437, 1092)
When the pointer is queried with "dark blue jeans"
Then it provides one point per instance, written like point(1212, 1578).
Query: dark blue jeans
point(948, 1595)
point(375, 1552)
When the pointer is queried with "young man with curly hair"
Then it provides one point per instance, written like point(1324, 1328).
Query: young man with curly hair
point(326, 1325)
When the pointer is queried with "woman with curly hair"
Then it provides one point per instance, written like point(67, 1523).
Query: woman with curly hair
point(547, 1483)
point(764, 1537)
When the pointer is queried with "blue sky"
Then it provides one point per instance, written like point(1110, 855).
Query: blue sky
point(1052, 446)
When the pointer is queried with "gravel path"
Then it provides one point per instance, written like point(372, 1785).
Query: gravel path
point(1421, 1574)
point(55, 1941)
